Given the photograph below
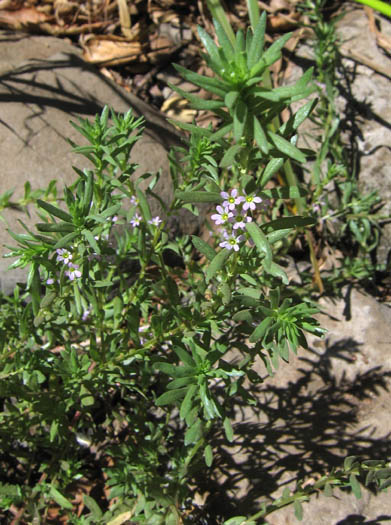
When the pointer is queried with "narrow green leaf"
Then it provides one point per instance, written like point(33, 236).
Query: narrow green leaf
point(208, 455)
point(53, 210)
point(243, 315)
point(209, 405)
point(60, 499)
point(174, 370)
point(86, 398)
point(217, 263)
point(180, 382)
point(34, 285)
point(186, 404)
point(383, 473)
point(210, 84)
point(240, 49)
point(239, 118)
point(48, 299)
point(328, 490)
point(210, 47)
point(298, 509)
point(291, 192)
point(224, 41)
point(198, 196)
point(92, 505)
point(191, 128)
point(91, 240)
point(229, 433)
point(253, 12)
point(53, 430)
point(60, 227)
point(226, 293)
point(355, 486)
point(385, 484)
point(296, 221)
point(88, 193)
point(348, 462)
point(194, 433)
point(276, 270)
point(229, 156)
point(65, 240)
point(171, 396)
point(260, 136)
point(237, 520)
point(273, 53)
point(102, 284)
point(144, 206)
point(109, 212)
point(303, 113)
point(261, 242)
point(198, 102)
point(184, 356)
point(250, 292)
point(287, 148)
point(271, 168)
point(203, 247)
point(278, 235)
point(230, 98)
point(261, 330)
point(257, 43)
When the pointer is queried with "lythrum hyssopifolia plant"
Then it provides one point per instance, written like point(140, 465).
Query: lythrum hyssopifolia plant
point(116, 354)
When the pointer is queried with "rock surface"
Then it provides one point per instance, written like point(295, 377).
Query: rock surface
point(44, 85)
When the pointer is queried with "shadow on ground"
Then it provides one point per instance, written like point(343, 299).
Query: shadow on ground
point(293, 433)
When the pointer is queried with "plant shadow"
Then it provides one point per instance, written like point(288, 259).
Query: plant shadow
point(297, 431)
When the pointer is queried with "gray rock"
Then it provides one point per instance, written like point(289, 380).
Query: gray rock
point(44, 85)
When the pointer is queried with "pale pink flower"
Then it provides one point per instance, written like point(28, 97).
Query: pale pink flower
point(136, 220)
point(73, 272)
point(231, 200)
point(250, 202)
point(232, 242)
point(64, 256)
point(223, 215)
point(155, 221)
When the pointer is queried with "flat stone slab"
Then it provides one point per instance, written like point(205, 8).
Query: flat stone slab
point(44, 84)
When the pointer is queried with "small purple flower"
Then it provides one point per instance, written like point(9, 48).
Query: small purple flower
point(155, 221)
point(86, 314)
point(240, 221)
point(223, 215)
point(114, 218)
point(73, 272)
point(250, 202)
point(50, 281)
point(134, 200)
point(231, 200)
point(232, 242)
point(136, 220)
point(64, 255)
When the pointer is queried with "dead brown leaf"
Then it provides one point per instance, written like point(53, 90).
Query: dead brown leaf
point(21, 18)
point(109, 50)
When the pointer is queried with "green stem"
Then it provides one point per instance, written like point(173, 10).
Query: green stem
point(382, 7)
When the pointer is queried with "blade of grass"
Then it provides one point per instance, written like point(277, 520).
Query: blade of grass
point(218, 13)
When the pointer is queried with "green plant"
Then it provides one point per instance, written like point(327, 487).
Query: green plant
point(348, 219)
point(116, 354)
